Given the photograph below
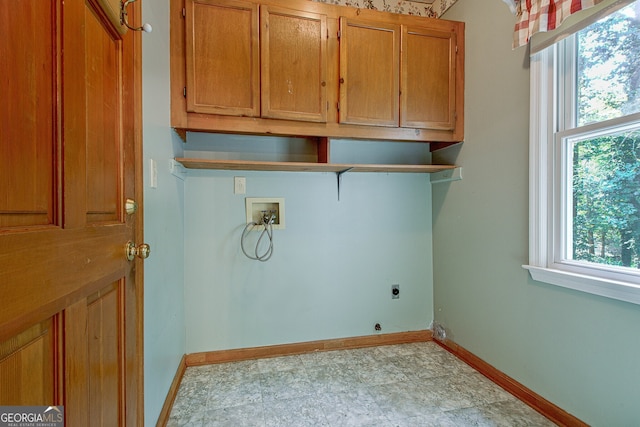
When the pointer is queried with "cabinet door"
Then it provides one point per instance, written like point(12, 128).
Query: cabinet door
point(223, 57)
point(428, 95)
point(294, 64)
point(369, 73)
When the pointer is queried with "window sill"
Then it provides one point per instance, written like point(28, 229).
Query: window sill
point(593, 285)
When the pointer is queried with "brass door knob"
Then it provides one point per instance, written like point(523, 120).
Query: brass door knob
point(130, 206)
point(141, 251)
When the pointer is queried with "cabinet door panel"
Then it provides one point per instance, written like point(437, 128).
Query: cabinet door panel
point(294, 64)
point(223, 71)
point(428, 79)
point(369, 73)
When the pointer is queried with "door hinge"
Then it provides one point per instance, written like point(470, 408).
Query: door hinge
point(184, 12)
point(184, 91)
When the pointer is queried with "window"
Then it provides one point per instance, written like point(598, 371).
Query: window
point(585, 159)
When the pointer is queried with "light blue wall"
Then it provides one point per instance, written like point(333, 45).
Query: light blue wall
point(577, 350)
point(164, 327)
point(332, 268)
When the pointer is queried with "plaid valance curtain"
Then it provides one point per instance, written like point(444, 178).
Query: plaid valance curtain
point(534, 16)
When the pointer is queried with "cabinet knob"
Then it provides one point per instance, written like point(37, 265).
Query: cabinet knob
point(323, 84)
point(341, 80)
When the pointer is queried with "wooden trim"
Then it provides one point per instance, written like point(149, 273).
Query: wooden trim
point(305, 167)
point(163, 418)
point(195, 122)
point(324, 150)
point(433, 146)
point(223, 356)
point(135, 13)
point(529, 397)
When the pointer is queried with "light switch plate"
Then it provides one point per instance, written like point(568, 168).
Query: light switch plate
point(239, 185)
point(153, 173)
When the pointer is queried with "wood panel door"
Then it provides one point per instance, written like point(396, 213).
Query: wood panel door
point(428, 95)
point(70, 155)
point(223, 57)
point(369, 73)
point(294, 64)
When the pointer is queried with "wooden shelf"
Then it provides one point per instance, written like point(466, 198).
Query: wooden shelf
point(250, 165)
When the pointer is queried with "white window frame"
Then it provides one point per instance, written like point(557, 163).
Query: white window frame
point(546, 174)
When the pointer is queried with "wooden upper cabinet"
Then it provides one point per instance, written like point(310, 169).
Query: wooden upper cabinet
point(428, 82)
point(223, 57)
point(293, 64)
point(307, 68)
point(369, 73)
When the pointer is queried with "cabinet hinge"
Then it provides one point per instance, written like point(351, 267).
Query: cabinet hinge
point(327, 33)
point(184, 91)
point(339, 34)
point(338, 105)
point(184, 12)
point(456, 48)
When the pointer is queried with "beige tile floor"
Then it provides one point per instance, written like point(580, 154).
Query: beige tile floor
point(407, 385)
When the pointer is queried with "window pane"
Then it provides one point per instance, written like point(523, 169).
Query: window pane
point(609, 67)
point(606, 199)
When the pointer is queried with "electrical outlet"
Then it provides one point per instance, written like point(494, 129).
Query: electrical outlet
point(395, 291)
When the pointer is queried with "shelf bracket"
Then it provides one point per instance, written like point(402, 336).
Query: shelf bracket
point(177, 169)
point(339, 178)
point(447, 175)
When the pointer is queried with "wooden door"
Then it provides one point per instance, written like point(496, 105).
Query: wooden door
point(70, 150)
point(369, 73)
point(294, 64)
point(428, 95)
point(223, 57)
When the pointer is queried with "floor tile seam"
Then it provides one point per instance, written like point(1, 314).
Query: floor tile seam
point(309, 375)
point(420, 381)
point(291, 399)
point(371, 400)
point(267, 399)
point(228, 407)
point(223, 408)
